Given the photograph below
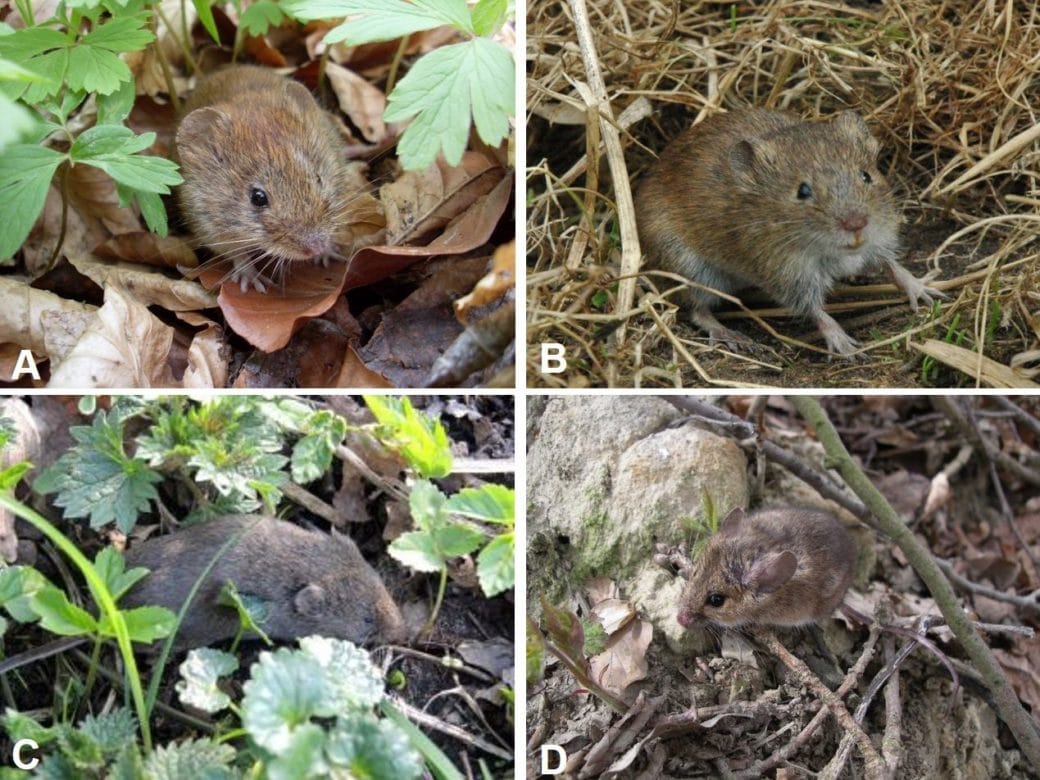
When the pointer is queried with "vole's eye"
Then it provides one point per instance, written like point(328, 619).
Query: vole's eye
point(804, 191)
point(715, 600)
point(867, 178)
point(258, 198)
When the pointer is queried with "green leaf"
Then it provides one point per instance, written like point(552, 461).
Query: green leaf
point(488, 16)
point(456, 539)
point(495, 565)
point(26, 172)
point(12, 475)
point(110, 731)
point(96, 479)
point(427, 505)
point(417, 551)
point(312, 455)
point(353, 681)
point(281, 696)
point(120, 34)
point(96, 70)
point(199, 757)
point(18, 584)
point(491, 503)
point(368, 747)
point(443, 91)
point(381, 20)
point(115, 107)
point(153, 211)
point(205, 11)
point(259, 17)
point(59, 615)
point(200, 672)
point(110, 566)
point(420, 439)
point(143, 624)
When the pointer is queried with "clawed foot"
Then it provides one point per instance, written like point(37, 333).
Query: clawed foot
point(838, 341)
point(249, 278)
point(915, 289)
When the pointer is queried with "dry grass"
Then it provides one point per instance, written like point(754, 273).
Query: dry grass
point(952, 91)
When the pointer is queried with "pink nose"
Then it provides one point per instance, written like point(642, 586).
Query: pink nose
point(853, 222)
point(684, 618)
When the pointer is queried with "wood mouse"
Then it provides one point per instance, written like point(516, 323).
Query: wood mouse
point(312, 583)
point(265, 179)
point(759, 198)
point(784, 566)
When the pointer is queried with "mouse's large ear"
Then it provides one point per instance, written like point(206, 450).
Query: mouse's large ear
point(852, 125)
point(770, 571)
point(310, 600)
point(201, 136)
point(300, 95)
point(751, 153)
point(731, 525)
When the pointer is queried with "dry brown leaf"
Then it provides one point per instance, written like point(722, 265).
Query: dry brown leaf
point(498, 281)
point(125, 346)
point(623, 662)
point(145, 284)
point(360, 101)
point(39, 320)
point(424, 202)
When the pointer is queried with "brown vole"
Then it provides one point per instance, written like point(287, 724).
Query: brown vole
point(311, 583)
point(759, 198)
point(265, 179)
point(775, 567)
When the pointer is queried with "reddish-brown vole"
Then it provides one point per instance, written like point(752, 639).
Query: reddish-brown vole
point(759, 198)
point(265, 178)
point(309, 582)
point(775, 567)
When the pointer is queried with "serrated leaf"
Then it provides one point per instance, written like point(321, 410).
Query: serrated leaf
point(281, 696)
point(491, 503)
point(444, 91)
point(120, 34)
point(416, 550)
point(12, 475)
point(200, 672)
point(368, 747)
point(96, 70)
point(259, 17)
point(111, 567)
point(59, 615)
point(381, 20)
point(427, 505)
point(201, 758)
point(455, 539)
point(26, 172)
point(420, 439)
point(496, 568)
point(110, 731)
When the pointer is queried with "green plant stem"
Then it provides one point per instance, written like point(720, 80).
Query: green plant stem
point(102, 597)
point(441, 588)
point(1007, 703)
point(395, 63)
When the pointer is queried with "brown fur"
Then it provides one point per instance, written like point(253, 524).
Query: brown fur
point(775, 567)
point(246, 127)
point(721, 207)
point(312, 583)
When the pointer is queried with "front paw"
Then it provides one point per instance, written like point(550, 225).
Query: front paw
point(915, 289)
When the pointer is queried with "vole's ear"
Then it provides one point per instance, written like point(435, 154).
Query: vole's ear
point(310, 600)
point(732, 522)
point(747, 155)
point(300, 95)
point(852, 125)
point(770, 571)
point(201, 135)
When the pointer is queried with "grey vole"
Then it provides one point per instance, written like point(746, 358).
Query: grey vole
point(311, 582)
point(759, 198)
point(265, 178)
point(784, 566)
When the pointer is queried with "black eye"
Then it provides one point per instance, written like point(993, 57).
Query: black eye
point(804, 191)
point(716, 599)
point(258, 198)
point(867, 179)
